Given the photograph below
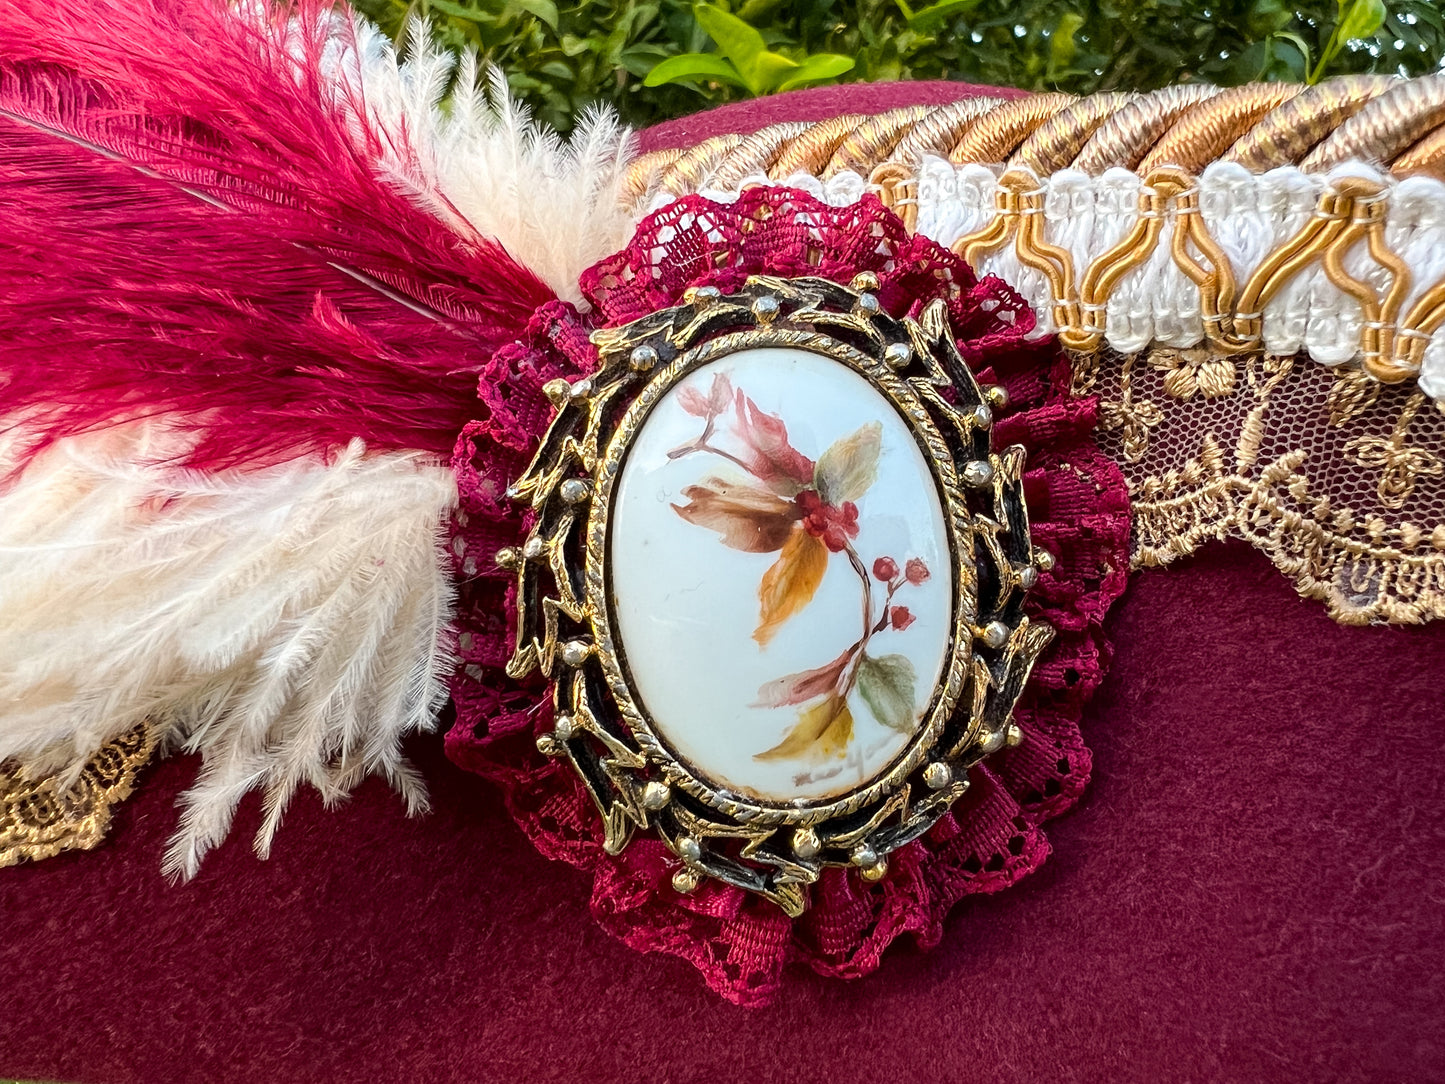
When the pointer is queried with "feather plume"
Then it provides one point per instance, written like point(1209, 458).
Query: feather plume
point(289, 623)
point(190, 229)
point(555, 206)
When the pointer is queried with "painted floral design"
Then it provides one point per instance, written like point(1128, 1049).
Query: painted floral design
point(805, 512)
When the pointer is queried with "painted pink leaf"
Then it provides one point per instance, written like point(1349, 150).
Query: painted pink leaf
point(707, 406)
point(916, 571)
point(796, 688)
point(900, 617)
point(850, 465)
point(745, 516)
point(767, 453)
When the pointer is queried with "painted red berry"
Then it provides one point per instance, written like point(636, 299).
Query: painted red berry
point(900, 617)
point(885, 568)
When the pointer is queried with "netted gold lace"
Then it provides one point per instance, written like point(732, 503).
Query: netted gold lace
point(1334, 476)
point(39, 818)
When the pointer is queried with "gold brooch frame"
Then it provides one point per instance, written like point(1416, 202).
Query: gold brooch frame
point(564, 605)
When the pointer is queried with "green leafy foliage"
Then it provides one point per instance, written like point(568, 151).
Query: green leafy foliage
point(743, 60)
point(655, 59)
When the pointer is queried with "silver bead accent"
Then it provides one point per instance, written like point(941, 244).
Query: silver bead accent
point(580, 390)
point(534, 548)
point(864, 280)
point(643, 357)
point(1028, 577)
point(702, 296)
point(766, 308)
point(997, 396)
point(867, 305)
point(938, 775)
point(993, 741)
point(806, 843)
point(689, 848)
point(575, 491)
point(982, 416)
point(656, 795)
point(994, 634)
point(685, 881)
point(978, 473)
point(575, 652)
point(564, 727)
point(897, 355)
point(1014, 735)
point(863, 856)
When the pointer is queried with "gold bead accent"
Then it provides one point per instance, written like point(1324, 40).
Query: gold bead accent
point(686, 880)
point(875, 871)
point(1014, 735)
point(656, 795)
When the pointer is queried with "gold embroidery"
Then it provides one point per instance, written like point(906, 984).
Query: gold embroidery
point(38, 820)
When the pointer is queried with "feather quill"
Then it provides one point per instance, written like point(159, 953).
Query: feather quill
point(191, 230)
point(289, 623)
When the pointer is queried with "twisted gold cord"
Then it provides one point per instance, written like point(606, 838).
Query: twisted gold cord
point(1203, 132)
point(1126, 136)
point(993, 137)
point(1386, 125)
point(1285, 135)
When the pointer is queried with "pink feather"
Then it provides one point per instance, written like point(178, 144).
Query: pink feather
point(187, 227)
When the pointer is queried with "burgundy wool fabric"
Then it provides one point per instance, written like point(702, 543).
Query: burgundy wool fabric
point(1249, 890)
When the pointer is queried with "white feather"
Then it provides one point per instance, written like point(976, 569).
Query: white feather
point(290, 624)
point(483, 164)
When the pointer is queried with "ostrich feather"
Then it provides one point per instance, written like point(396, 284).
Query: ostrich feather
point(555, 206)
point(289, 623)
point(192, 229)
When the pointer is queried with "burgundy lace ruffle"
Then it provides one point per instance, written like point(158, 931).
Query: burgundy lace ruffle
point(1077, 501)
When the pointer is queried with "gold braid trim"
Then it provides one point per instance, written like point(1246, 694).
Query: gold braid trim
point(39, 819)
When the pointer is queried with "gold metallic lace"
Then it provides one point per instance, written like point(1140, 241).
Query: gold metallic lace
point(1338, 478)
point(39, 818)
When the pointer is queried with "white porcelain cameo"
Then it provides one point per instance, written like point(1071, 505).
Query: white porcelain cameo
point(780, 575)
point(776, 574)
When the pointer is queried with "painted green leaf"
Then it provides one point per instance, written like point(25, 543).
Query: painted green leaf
point(849, 466)
point(886, 685)
point(817, 68)
point(690, 67)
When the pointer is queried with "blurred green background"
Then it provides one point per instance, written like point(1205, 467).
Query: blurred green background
point(657, 59)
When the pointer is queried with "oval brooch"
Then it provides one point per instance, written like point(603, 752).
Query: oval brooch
point(776, 575)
